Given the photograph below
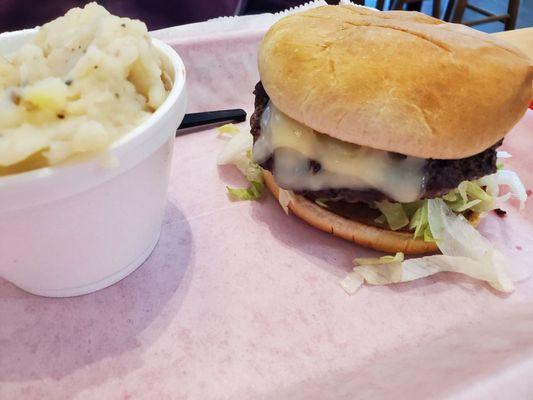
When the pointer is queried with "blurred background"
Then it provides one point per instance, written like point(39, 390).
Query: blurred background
point(19, 14)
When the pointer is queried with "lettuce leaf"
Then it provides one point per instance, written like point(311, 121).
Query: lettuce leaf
point(398, 257)
point(237, 147)
point(419, 223)
point(322, 202)
point(238, 152)
point(228, 129)
point(394, 214)
point(252, 192)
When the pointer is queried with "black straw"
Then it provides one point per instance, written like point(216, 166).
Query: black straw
point(194, 120)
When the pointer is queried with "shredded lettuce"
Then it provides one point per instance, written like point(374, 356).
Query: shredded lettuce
point(419, 223)
point(394, 214)
point(464, 250)
point(322, 202)
point(457, 238)
point(397, 258)
point(256, 188)
point(228, 129)
point(252, 192)
point(477, 196)
point(510, 178)
point(503, 154)
point(487, 269)
point(237, 147)
point(381, 220)
point(238, 152)
point(352, 282)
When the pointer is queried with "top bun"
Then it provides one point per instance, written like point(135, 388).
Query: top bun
point(396, 81)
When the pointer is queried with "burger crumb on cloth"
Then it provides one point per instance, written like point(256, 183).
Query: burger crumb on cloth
point(80, 83)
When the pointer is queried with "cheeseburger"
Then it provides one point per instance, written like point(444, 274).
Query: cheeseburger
point(362, 115)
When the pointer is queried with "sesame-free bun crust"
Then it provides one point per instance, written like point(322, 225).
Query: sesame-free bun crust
point(396, 81)
point(355, 231)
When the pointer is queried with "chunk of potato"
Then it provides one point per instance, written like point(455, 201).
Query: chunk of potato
point(49, 94)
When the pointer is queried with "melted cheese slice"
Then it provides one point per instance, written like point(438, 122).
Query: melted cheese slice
point(344, 165)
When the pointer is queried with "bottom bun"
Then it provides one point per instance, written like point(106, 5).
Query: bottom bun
point(355, 231)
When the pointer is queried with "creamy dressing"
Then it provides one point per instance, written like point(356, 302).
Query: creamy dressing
point(344, 165)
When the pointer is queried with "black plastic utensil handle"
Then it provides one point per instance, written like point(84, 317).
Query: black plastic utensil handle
point(212, 117)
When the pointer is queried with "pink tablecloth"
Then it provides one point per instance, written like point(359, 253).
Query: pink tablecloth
point(239, 301)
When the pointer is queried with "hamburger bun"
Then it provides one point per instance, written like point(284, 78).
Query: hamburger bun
point(395, 81)
point(355, 231)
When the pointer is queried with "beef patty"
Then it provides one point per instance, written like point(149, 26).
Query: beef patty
point(440, 176)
